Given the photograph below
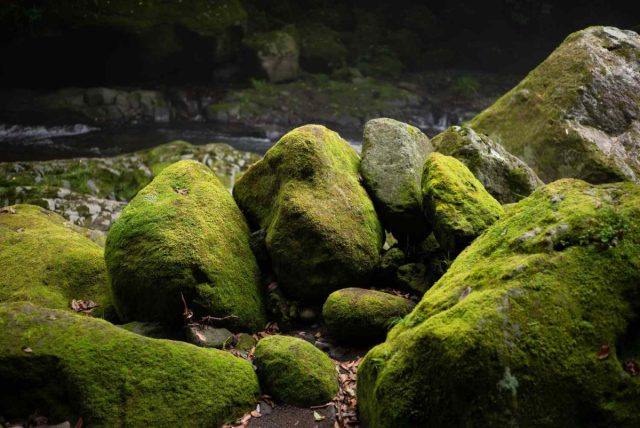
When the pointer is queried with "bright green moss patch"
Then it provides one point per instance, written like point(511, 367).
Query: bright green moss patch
point(322, 229)
point(357, 315)
point(455, 203)
point(509, 336)
point(46, 260)
point(183, 236)
point(295, 372)
point(83, 367)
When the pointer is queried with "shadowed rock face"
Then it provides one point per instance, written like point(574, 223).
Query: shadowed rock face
point(578, 113)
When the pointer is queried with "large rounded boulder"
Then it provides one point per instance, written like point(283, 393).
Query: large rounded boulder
point(183, 238)
point(322, 231)
point(70, 366)
point(358, 315)
point(534, 325)
point(295, 372)
point(578, 113)
point(393, 154)
point(48, 261)
point(455, 203)
point(503, 175)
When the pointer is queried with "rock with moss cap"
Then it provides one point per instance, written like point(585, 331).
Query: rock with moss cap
point(183, 237)
point(48, 261)
point(277, 54)
point(357, 315)
point(393, 155)
point(533, 325)
point(503, 175)
point(322, 230)
point(577, 114)
point(70, 366)
point(293, 371)
point(455, 203)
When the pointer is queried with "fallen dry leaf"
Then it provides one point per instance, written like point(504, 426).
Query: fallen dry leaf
point(7, 210)
point(631, 366)
point(465, 293)
point(27, 349)
point(255, 414)
point(183, 192)
point(318, 417)
point(603, 353)
point(85, 306)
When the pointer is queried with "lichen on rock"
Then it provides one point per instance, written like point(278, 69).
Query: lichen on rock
point(183, 236)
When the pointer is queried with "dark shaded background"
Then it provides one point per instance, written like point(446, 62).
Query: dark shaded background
point(55, 43)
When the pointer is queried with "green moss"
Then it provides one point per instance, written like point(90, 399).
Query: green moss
point(536, 120)
point(510, 335)
point(455, 202)
point(321, 227)
point(293, 371)
point(321, 48)
point(356, 315)
point(47, 261)
point(183, 234)
point(84, 367)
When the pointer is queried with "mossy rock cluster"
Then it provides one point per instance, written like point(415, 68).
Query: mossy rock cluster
point(393, 156)
point(504, 176)
point(295, 372)
point(576, 114)
point(322, 230)
point(49, 262)
point(183, 237)
point(534, 324)
point(70, 366)
point(455, 203)
point(357, 315)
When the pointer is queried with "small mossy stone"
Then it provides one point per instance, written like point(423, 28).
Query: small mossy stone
point(577, 114)
point(293, 371)
point(413, 277)
point(183, 237)
point(49, 261)
point(245, 342)
point(322, 228)
point(357, 315)
point(208, 337)
point(513, 334)
point(155, 330)
point(70, 366)
point(455, 203)
point(393, 156)
point(390, 261)
point(504, 176)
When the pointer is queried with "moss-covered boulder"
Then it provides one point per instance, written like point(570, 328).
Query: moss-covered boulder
point(69, 366)
point(577, 114)
point(92, 192)
point(322, 231)
point(183, 236)
point(393, 155)
point(503, 175)
point(455, 203)
point(534, 325)
point(48, 261)
point(321, 47)
point(357, 315)
point(277, 53)
point(294, 371)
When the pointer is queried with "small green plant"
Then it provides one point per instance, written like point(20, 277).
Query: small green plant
point(466, 86)
point(607, 231)
point(393, 321)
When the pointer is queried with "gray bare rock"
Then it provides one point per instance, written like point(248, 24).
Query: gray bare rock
point(393, 155)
